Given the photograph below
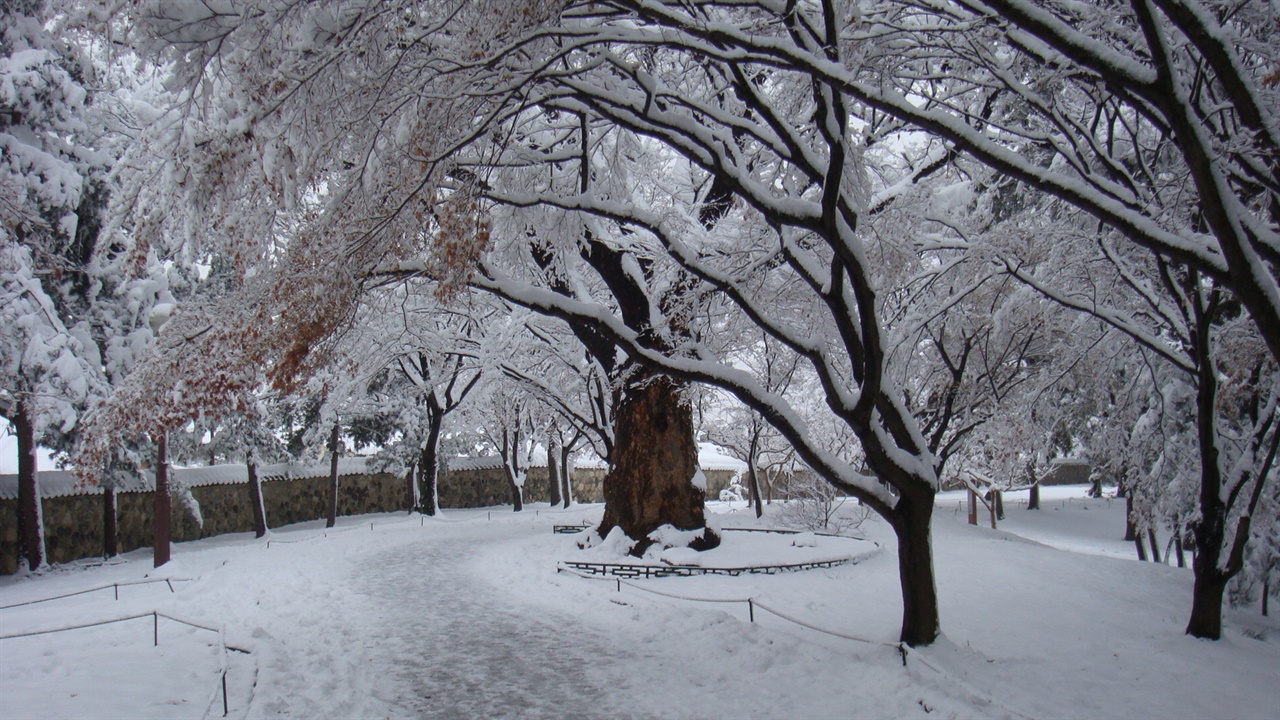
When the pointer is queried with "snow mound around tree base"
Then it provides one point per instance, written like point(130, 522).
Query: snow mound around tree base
point(737, 550)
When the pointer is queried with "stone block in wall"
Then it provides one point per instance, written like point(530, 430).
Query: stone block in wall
point(8, 536)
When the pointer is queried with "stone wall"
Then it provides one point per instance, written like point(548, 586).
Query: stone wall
point(482, 487)
point(73, 523)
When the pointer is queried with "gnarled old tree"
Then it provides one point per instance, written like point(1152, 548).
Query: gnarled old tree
point(729, 179)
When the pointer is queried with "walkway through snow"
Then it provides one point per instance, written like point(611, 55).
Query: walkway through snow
point(458, 647)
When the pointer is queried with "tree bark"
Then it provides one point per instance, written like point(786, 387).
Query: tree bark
point(653, 464)
point(553, 465)
point(429, 468)
point(517, 494)
point(511, 464)
point(1130, 524)
point(30, 517)
point(256, 505)
point(566, 474)
point(1034, 502)
point(753, 477)
point(110, 527)
point(1206, 603)
point(1266, 595)
point(1210, 529)
point(333, 477)
point(912, 519)
point(163, 503)
point(411, 497)
point(1155, 547)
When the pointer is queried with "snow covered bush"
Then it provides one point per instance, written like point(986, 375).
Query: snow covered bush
point(814, 504)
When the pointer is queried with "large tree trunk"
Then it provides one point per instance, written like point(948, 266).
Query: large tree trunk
point(653, 464)
point(163, 503)
point(333, 477)
point(912, 518)
point(1034, 502)
point(429, 468)
point(30, 517)
point(256, 505)
point(110, 528)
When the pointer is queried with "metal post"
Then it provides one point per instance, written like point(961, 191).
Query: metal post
point(170, 584)
point(370, 527)
point(751, 610)
point(117, 587)
point(619, 585)
point(155, 628)
point(224, 694)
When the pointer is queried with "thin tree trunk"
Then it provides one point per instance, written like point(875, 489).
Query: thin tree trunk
point(1266, 594)
point(1155, 547)
point(1210, 530)
point(110, 528)
point(753, 477)
point(333, 477)
point(553, 465)
point(411, 497)
point(1034, 502)
point(1177, 547)
point(429, 468)
point(163, 503)
point(255, 498)
point(1142, 549)
point(973, 507)
point(912, 519)
point(30, 515)
point(999, 499)
point(511, 464)
point(653, 463)
point(1130, 524)
point(566, 474)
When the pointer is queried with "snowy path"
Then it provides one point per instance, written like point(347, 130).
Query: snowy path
point(459, 647)
point(464, 616)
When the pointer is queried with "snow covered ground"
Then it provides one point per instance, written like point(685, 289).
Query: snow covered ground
point(465, 616)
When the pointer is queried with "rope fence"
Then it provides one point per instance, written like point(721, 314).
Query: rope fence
point(155, 615)
point(113, 586)
point(752, 603)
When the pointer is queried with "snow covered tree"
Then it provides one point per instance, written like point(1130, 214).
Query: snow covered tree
point(51, 190)
point(744, 432)
point(617, 165)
